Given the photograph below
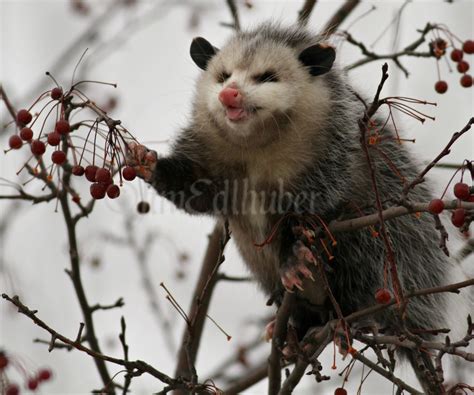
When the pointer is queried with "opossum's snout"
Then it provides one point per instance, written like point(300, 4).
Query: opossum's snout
point(232, 100)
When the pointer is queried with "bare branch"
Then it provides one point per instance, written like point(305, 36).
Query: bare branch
point(340, 16)
point(305, 12)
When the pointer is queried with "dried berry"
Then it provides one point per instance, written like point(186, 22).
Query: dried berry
point(129, 173)
point(461, 191)
point(441, 86)
point(15, 142)
point(468, 46)
point(90, 171)
point(143, 207)
point(113, 191)
point(54, 139)
point(463, 66)
point(24, 117)
point(458, 217)
point(3, 360)
point(466, 81)
point(12, 389)
point(58, 157)
point(63, 127)
point(383, 296)
point(97, 190)
point(456, 55)
point(340, 391)
point(32, 383)
point(44, 374)
point(38, 147)
point(77, 170)
point(56, 93)
point(103, 175)
point(26, 134)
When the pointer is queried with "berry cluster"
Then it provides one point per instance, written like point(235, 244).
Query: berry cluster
point(98, 154)
point(32, 381)
point(459, 216)
point(438, 48)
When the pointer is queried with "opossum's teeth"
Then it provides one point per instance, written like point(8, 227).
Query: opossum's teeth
point(236, 113)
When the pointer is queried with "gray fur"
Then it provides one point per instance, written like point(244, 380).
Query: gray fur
point(330, 170)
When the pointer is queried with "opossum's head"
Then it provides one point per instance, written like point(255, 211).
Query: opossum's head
point(257, 84)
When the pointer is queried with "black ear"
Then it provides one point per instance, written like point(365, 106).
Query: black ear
point(201, 52)
point(318, 58)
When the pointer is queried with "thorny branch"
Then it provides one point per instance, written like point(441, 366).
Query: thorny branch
point(135, 368)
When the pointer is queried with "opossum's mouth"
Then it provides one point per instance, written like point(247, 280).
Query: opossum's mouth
point(236, 114)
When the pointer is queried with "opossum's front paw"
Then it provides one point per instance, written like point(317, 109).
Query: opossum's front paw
point(295, 269)
point(142, 160)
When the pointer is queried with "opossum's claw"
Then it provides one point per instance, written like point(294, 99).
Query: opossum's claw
point(142, 160)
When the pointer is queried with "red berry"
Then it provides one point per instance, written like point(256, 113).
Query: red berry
point(383, 296)
point(44, 374)
point(103, 175)
point(113, 191)
point(471, 199)
point(54, 139)
point(143, 207)
point(466, 81)
point(97, 190)
point(63, 127)
point(58, 157)
point(456, 55)
point(24, 117)
point(129, 173)
point(32, 383)
point(56, 93)
point(90, 171)
point(12, 389)
point(15, 142)
point(468, 46)
point(76, 199)
point(38, 147)
point(461, 191)
point(340, 391)
point(26, 134)
point(77, 170)
point(441, 86)
point(458, 217)
point(463, 66)
point(436, 206)
point(3, 360)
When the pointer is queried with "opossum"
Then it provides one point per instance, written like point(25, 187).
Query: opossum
point(273, 139)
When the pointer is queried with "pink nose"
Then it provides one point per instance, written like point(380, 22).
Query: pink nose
point(230, 97)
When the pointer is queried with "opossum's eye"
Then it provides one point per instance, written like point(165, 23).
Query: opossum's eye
point(268, 76)
point(223, 77)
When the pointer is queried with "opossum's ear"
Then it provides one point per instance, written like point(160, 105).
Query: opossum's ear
point(202, 51)
point(318, 58)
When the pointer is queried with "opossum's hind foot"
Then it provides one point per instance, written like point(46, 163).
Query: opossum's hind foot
point(295, 269)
